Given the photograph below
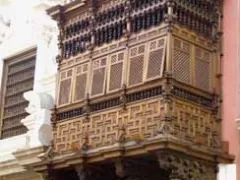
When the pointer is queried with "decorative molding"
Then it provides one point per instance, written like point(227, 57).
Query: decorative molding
point(185, 168)
point(38, 122)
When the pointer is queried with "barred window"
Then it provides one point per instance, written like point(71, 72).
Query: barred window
point(18, 78)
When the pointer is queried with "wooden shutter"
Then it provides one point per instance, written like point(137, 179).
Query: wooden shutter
point(80, 85)
point(65, 87)
point(136, 67)
point(181, 61)
point(156, 57)
point(98, 76)
point(18, 77)
point(202, 69)
point(115, 71)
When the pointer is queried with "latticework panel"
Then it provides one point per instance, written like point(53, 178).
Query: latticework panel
point(80, 82)
point(19, 79)
point(99, 76)
point(181, 61)
point(136, 68)
point(194, 123)
point(156, 58)
point(139, 122)
point(116, 71)
point(202, 66)
point(65, 87)
point(103, 129)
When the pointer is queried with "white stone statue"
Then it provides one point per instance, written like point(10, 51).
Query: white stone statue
point(38, 121)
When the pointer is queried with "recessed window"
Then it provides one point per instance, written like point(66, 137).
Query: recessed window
point(18, 78)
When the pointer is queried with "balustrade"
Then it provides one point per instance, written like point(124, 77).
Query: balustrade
point(111, 23)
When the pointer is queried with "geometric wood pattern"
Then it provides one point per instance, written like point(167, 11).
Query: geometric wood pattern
point(141, 121)
point(136, 65)
point(154, 38)
point(195, 123)
point(181, 61)
point(104, 129)
point(106, 74)
point(116, 71)
point(202, 66)
point(191, 64)
point(80, 82)
point(99, 76)
point(155, 62)
point(65, 87)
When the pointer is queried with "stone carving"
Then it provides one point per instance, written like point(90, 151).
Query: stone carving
point(181, 167)
point(38, 120)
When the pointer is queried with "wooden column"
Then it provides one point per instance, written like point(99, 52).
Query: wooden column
point(169, 19)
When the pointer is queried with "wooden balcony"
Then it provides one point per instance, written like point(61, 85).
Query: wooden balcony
point(137, 78)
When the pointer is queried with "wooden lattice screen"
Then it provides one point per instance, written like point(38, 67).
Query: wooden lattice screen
point(146, 61)
point(155, 62)
point(18, 77)
point(81, 82)
point(181, 61)
point(108, 73)
point(99, 76)
point(192, 64)
point(202, 66)
point(136, 65)
point(65, 87)
point(116, 71)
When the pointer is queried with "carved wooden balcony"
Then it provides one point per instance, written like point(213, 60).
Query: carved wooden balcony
point(137, 76)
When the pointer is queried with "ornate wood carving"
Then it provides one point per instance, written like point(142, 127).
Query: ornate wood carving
point(150, 76)
point(190, 123)
point(182, 167)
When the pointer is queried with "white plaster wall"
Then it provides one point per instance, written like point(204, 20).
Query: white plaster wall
point(23, 25)
point(227, 172)
point(29, 26)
